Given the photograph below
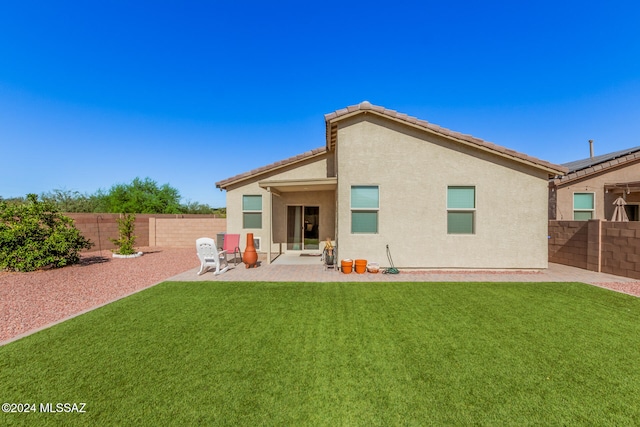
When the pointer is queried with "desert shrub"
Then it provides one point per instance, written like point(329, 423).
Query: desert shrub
point(126, 239)
point(36, 235)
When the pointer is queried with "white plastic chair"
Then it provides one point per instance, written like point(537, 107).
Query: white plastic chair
point(210, 256)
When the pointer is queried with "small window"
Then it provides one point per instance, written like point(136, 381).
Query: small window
point(252, 211)
point(365, 204)
point(461, 210)
point(583, 206)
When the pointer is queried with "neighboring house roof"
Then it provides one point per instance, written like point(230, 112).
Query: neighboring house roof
point(592, 161)
point(332, 120)
point(581, 168)
point(366, 107)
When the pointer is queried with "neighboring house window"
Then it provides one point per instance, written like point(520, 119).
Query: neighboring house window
point(583, 206)
point(365, 204)
point(461, 210)
point(251, 211)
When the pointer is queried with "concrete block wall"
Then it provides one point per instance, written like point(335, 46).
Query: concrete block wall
point(183, 232)
point(621, 248)
point(568, 243)
point(100, 228)
point(597, 245)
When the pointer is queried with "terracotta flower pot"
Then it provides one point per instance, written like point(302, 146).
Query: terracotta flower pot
point(250, 256)
point(361, 266)
point(346, 265)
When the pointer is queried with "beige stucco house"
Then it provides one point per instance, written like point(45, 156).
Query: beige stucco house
point(591, 186)
point(437, 198)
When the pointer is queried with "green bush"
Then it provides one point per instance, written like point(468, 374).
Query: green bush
point(126, 238)
point(35, 235)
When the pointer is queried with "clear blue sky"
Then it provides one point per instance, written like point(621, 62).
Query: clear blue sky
point(192, 92)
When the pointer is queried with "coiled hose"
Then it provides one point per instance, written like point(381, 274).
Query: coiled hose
point(392, 269)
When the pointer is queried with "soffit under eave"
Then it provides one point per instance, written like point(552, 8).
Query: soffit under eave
point(332, 137)
point(292, 185)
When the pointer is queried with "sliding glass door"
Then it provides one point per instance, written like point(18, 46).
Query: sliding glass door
point(303, 228)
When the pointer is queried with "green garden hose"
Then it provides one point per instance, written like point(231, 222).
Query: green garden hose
point(392, 269)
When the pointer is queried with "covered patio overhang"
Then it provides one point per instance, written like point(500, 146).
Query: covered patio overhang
point(280, 188)
point(623, 187)
point(622, 196)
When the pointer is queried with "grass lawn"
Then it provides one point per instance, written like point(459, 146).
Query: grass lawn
point(337, 354)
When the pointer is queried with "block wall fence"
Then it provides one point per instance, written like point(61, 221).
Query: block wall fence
point(597, 245)
point(150, 229)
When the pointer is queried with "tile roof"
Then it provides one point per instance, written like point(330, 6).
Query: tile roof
point(282, 163)
point(583, 168)
point(331, 120)
point(592, 161)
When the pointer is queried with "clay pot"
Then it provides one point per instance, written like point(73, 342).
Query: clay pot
point(361, 266)
point(250, 256)
point(346, 265)
point(373, 267)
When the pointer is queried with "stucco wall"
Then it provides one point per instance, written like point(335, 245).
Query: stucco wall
point(413, 171)
point(318, 167)
point(630, 172)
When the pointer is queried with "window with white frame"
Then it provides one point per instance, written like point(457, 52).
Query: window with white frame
point(365, 204)
point(461, 210)
point(251, 211)
point(583, 206)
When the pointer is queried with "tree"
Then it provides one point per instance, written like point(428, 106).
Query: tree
point(140, 196)
point(35, 235)
point(143, 196)
point(71, 201)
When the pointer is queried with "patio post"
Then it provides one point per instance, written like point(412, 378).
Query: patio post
point(269, 237)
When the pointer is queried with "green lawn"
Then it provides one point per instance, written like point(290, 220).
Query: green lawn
point(337, 354)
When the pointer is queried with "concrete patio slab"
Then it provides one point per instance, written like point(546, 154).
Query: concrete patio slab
point(277, 272)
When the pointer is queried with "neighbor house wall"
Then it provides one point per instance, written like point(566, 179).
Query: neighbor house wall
point(315, 168)
point(413, 170)
point(594, 183)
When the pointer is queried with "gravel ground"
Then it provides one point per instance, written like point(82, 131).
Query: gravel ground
point(631, 288)
point(29, 301)
point(32, 301)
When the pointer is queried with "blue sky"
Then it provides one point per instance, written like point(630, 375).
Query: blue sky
point(191, 92)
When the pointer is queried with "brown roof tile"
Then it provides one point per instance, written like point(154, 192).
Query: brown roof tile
point(367, 106)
